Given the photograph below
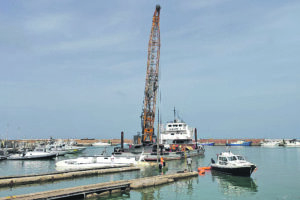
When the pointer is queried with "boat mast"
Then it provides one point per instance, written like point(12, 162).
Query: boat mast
point(151, 84)
point(157, 139)
point(174, 114)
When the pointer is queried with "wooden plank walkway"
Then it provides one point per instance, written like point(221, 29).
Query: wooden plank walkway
point(52, 173)
point(96, 189)
point(51, 177)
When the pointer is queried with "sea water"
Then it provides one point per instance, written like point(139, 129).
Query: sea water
point(277, 176)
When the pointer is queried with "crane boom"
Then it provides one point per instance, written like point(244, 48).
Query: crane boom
point(151, 85)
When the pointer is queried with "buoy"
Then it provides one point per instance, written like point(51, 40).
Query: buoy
point(206, 168)
point(201, 172)
point(203, 168)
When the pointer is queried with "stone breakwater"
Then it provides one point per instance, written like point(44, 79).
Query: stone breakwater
point(88, 142)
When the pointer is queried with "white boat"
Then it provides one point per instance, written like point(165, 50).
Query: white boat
point(57, 149)
point(270, 143)
point(101, 144)
point(291, 143)
point(38, 153)
point(73, 149)
point(176, 132)
point(2, 157)
point(230, 163)
point(97, 162)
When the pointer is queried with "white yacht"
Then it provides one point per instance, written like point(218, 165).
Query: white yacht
point(37, 153)
point(291, 143)
point(101, 144)
point(230, 163)
point(270, 143)
point(59, 150)
point(97, 162)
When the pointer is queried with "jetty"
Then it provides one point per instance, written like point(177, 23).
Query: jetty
point(11, 181)
point(100, 189)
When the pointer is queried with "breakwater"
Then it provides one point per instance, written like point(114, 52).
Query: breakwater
point(11, 144)
point(222, 142)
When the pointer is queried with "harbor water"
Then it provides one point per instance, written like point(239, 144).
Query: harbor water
point(277, 176)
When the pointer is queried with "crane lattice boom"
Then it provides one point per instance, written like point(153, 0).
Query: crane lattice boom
point(151, 85)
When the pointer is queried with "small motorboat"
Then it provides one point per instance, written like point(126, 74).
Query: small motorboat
point(3, 158)
point(239, 143)
point(207, 143)
point(230, 163)
point(37, 153)
point(73, 149)
point(58, 149)
point(270, 143)
point(101, 144)
point(291, 143)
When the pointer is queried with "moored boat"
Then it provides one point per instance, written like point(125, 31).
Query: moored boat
point(37, 153)
point(291, 143)
point(101, 144)
point(207, 144)
point(239, 143)
point(176, 142)
point(230, 163)
point(98, 162)
point(3, 157)
point(270, 143)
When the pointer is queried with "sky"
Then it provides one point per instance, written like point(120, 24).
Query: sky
point(76, 69)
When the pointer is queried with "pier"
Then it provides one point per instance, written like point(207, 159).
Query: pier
point(106, 188)
point(11, 181)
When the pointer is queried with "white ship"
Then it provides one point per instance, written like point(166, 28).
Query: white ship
point(176, 132)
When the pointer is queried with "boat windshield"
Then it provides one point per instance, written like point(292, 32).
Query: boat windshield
point(232, 158)
point(240, 158)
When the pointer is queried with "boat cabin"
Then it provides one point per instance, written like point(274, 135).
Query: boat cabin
point(176, 132)
point(228, 157)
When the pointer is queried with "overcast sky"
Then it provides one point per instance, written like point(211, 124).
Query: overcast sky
point(76, 69)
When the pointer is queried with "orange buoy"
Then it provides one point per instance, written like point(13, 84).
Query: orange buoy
point(206, 168)
point(203, 168)
point(202, 172)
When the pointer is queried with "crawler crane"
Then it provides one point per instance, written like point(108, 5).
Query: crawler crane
point(151, 85)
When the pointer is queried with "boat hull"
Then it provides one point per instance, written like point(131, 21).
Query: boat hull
point(95, 162)
point(101, 145)
point(33, 157)
point(292, 145)
point(208, 144)
point(236, 171)
point(2, 158)
point(243, 144)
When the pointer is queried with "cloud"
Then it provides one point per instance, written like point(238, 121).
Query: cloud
point(191, 5)
point(47, 23)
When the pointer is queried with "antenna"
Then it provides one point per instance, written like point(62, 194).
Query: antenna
point(174, 114)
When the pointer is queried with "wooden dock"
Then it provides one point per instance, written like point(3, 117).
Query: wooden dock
point(11, 181)
point(103, 188)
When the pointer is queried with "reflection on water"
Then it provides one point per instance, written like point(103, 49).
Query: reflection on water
point(234, 185)
point(121, 195)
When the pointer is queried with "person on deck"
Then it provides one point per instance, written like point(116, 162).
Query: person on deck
point(189, 163)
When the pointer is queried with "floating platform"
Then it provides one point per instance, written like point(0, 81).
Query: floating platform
point(99, 189)
point(11, 181)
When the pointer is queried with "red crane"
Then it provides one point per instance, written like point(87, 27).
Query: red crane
point(151, 85)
